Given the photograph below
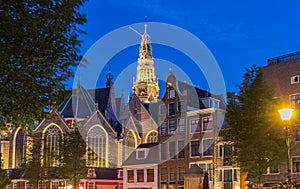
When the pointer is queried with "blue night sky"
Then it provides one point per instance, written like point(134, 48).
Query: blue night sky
point(238, 33)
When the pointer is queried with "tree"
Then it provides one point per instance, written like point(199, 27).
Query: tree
point(33, 169)
point(39, 46)
point(72, 158)
point(254, 126)
point(4, 179)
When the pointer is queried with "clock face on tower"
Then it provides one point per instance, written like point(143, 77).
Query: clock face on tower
point(142, 92)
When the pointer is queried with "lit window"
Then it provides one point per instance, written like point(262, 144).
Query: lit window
point(141, 154)
point(130, 176)
point(54, 185)
point(195, 126)
point(52, 138)
point(296, 164)
point(208, 167)
point(273, 170)
point(163, 174)
point(181, 173)
point(152, 137)
point(130, 143)
point(91, 185)
point(295, 101)
point(97, 147)
point(295, 79)
point(171, 93)
point(207, 123)
point(172, 126)
point(172, 175)
point(140, 175)
point(150, 175)
point(195, 146)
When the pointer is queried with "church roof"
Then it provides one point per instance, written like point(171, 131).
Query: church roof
point(79, 104)
point(101, 98)
point(82, 102)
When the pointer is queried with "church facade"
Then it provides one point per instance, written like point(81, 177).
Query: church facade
point(148, 142)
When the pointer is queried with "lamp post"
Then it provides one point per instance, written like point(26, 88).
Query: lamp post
point(286, 115)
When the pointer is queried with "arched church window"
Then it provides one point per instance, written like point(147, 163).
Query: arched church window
point(130, 143)
point(97, 147)
point(52, 139)
point(20, 148)
point(152, 137)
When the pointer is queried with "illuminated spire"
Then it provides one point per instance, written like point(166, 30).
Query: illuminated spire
point(145, 86)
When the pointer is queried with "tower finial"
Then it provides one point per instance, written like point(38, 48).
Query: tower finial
point(145, 24)
point(78, 78)
point(109, 78)
point(145, 31)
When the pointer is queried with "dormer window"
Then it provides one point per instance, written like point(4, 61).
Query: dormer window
point(210, 102)
point(142, 153)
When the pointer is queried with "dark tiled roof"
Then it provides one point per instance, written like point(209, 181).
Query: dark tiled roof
point(147, 145)
point(152, 157)
point(79, 104)
point(195, 95)
point(82, 103)
point(118, 106)
point(101, 98)
point(107, 173)
point(195, 169)
point(15, 173)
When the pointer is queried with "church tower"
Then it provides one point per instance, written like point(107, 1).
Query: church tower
point(146, 85)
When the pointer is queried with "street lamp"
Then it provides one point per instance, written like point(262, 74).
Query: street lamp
point(286, 115)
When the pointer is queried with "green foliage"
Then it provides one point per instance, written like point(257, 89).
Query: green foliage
point(39, 46)
point(254, 125)
point(4, 180)
point(33, 168)
point(72, 158)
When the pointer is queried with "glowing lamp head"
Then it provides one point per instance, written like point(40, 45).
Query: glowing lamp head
point(286, 114)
